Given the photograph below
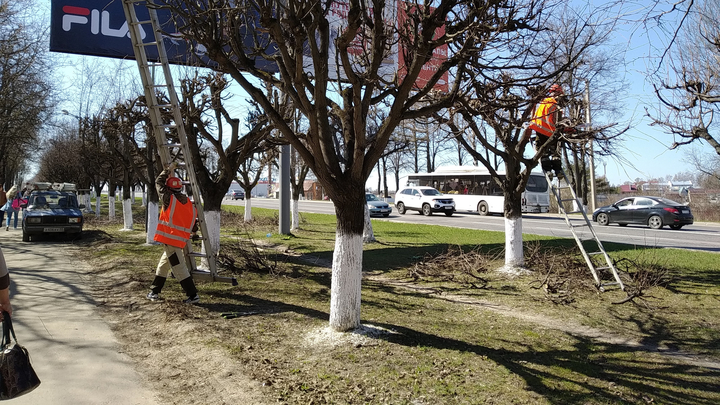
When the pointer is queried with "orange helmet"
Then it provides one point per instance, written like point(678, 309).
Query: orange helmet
point(555, 89)
point(174, 183)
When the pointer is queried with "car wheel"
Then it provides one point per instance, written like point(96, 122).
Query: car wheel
point(676, 227)
point(482, 208)
point(26, 237)
point(655, 222)
point(426, 210)
point(448, 213)
point(602, 219)
point(400, 207)
point(386, 215)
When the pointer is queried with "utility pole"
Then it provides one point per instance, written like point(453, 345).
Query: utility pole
point(593, 196)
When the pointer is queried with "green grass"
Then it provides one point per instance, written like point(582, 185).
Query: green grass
point(440, 350)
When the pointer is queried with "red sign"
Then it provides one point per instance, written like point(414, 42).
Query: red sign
point(439, 54)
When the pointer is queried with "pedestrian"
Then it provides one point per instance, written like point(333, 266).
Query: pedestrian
point(12, 207)
point(177, 220)
point(4, 287)
point(3, 201)
point(544, 123)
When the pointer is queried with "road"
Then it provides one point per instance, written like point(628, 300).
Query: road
point(699, 236)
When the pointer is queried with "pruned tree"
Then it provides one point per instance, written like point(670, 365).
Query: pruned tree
point(317, 57)
point(503, 83)
point(688, 83)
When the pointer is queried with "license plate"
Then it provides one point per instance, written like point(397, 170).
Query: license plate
point(685, 211)
point(53, 230)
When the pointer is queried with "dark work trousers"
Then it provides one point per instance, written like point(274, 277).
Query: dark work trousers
point(173, 259)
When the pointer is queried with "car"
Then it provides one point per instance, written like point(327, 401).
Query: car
point(237, 195)
point(423, 199)
point(376, 206)
point(654, 212)
point(52, 212)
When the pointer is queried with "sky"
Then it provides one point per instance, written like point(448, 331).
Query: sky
point(644, 151)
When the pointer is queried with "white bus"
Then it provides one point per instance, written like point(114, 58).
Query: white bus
point(473, 190)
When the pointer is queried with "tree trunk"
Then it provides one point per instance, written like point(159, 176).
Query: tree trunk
point(248, 208)
point(513, 243)
point(212, 223)
point(127, 215)
point(295, 209)
point(346, 281)
point(153, 214)
point(368, 234)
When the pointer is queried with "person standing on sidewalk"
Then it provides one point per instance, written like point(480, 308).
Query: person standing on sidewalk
point(177, 219)
point(3, 201)
point(4, 287)
point(14, 201)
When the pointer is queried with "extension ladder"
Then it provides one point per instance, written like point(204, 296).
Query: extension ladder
point(588, 256)
point(169, 151)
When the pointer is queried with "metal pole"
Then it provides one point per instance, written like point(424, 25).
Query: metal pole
point(593, 195)
point(284, 214)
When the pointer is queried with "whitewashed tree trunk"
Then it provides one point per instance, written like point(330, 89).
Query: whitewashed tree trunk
point(513, 243)
point(144, 199)
point(97, 206)
point(248, 209)
point(295, 209)
point(346, 282)
point(153, 215)
point(127, 215)
point(212, 221)
point(111, 207)
point(368, 234)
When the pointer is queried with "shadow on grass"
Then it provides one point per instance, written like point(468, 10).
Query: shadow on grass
point(588, 373)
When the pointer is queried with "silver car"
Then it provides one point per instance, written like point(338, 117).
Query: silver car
point(376, 206)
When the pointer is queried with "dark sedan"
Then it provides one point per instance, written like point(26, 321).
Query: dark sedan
point(51, 212)
point(654, 212)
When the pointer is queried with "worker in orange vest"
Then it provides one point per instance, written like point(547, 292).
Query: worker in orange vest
point(176, 224)
point(544, 123)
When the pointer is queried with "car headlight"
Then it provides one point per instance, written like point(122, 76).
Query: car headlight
point(74, 220)
point(33, 220)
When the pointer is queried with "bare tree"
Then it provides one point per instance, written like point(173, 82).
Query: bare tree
point(316, 57)
point(689, 86)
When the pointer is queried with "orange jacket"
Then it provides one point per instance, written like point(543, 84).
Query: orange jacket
point(176, 223)
point(543, 122)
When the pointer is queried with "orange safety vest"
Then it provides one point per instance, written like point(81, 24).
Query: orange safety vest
point(543, 122)
point(176, 222)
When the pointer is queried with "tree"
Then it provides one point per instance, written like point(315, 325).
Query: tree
point(690, 96)
point(316, 59)
point(503, 83)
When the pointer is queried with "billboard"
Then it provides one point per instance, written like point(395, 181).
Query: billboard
point(439, 54)
point(99, 28)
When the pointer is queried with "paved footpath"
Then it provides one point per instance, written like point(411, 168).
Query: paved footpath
point(71, 348)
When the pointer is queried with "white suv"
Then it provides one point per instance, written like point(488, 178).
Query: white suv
point(423, 199)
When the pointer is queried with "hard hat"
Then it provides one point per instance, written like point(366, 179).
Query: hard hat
point(555, 89)
point(174, 183)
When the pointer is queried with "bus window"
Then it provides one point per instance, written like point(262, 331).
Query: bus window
point(537, 184)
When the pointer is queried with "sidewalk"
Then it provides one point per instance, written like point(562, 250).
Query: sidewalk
point(71, 348)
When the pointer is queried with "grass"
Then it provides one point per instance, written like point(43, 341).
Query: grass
point(452, 346)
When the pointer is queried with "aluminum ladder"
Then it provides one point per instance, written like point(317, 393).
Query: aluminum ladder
point(588, 256)
point(168, 151)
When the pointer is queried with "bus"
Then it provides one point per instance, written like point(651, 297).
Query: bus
point(473, 189)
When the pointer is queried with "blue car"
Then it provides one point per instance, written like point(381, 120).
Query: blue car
point(51, 212)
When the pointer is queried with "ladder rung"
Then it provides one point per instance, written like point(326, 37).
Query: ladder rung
point(567, 199)
point(141, 22)
point(173, 125)
point(611, 283)
point(197, 254)
point(595, 253)
point(146, 44)
point(573, 212)
point(172, 145)
point(603, 268)
point(579, 225)
point(163, 106)
point(153, 64)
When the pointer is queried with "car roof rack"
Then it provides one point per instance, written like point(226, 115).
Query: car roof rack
point(64, 187)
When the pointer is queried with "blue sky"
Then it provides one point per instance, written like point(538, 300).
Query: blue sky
point(644, 147)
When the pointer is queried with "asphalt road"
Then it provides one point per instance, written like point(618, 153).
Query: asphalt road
point(699, 236)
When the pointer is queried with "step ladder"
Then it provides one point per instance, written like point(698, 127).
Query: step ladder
point(169, 151)
point(588, 256)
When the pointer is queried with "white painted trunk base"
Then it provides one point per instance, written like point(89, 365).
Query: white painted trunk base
point(111, 207)
point(212, 222)
point(346, 282)
point(513, 243)
point(153, 215)
point(127, 215)
point(368, 234)
point(295, 209)
point(97, 207)
point(248, 209)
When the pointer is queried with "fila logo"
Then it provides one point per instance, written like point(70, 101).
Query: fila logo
point(99, 22)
